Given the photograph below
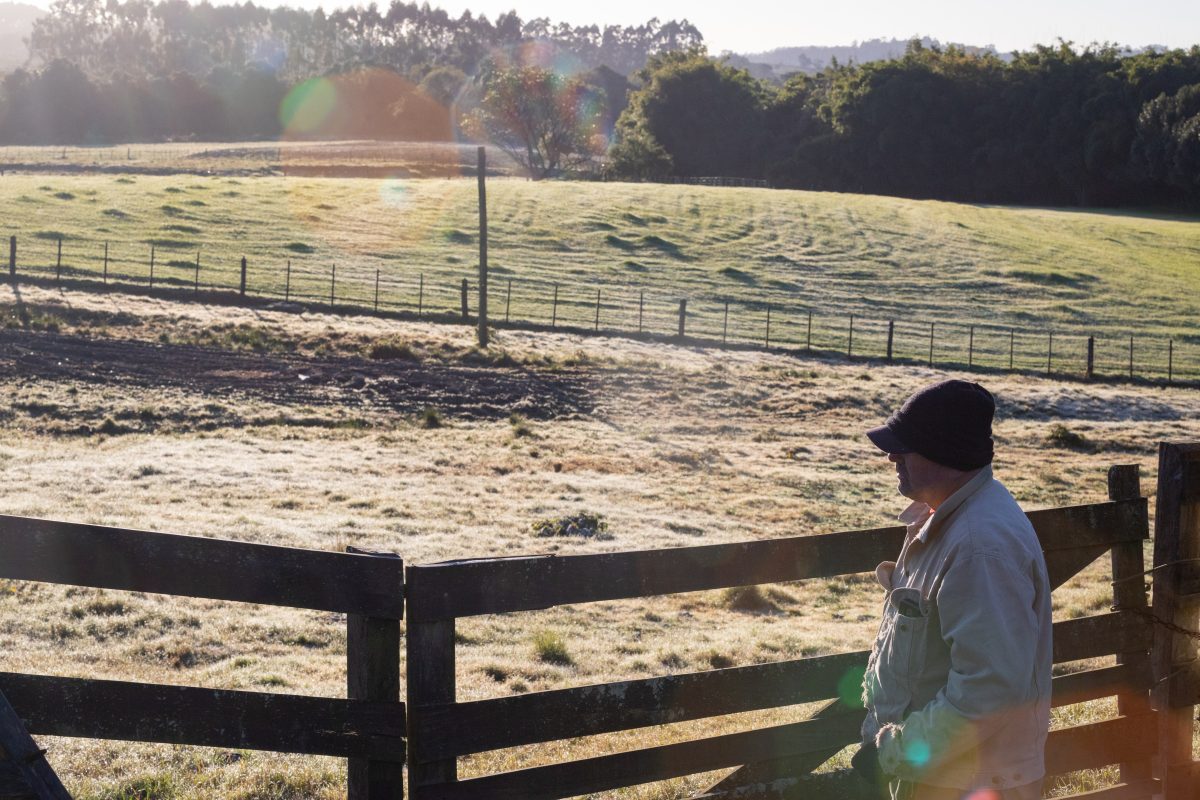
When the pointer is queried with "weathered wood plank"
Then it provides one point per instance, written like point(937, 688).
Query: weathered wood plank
point(1100, 635)
point(193, 566)
point(19, 749)
point(373, 674)
point(144, 712)
point(431, 681)
point(492, 586)
point(1079, 687)
point(1062, 565)
point(1100, 743)
point(650, 764)
point(458, 729)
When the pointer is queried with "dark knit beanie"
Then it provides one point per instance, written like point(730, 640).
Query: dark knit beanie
point(949, 423)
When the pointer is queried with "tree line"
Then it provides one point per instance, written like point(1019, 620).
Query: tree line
point(1055, 125)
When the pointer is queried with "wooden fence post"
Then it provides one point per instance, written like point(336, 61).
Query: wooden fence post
point(429, 648)
point(242, 283)
point(1050, 353)
point(151, 266)
point(465, 301)
point(106, 262)
point(196, 283)
point(1091, 358)
point(850, 343)
point(767, 342)
point(891, 336)
point(376, 291)
point(808, 339)
point(597, 324)
point(1012, 344)
point(508, 300)
point(554, 308)
point(725, 325)
point(931, 344)
point(332, 283)
point(421, 295)
point(12, 257)
point(58, 262)
point(1129, 592)
point(971, 348)
point(682, 317)
point(1171, 361)
point(1176, 678)
point(641, 307)
point(1131, 358)
point(373, 673)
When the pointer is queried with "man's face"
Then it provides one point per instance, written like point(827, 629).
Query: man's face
point(916, 475)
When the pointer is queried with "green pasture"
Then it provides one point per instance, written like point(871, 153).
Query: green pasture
point(1036, 271)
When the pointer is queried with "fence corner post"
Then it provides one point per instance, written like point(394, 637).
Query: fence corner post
point(373, 673)
point(1176, 549)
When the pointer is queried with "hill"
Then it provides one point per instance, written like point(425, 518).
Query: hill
point(1074, 273)
point(814, 58)
point(16, 23)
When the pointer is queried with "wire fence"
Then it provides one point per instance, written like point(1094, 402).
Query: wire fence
point(629, 310)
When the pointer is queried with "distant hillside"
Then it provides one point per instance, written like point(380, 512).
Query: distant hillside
point(16, 22)
point(783, 60)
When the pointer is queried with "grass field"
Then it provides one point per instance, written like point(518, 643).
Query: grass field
point(322, 431)
point(1073, 273)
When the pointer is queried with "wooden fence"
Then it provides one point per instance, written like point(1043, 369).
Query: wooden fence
point(368, 728)
point(1154, 674)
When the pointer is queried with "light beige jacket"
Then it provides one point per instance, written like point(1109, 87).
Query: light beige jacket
point(957, 688)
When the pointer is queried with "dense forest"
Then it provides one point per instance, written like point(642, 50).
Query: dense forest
point(1057, 124)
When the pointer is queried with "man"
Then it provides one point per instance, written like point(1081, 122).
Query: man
point(957, 688)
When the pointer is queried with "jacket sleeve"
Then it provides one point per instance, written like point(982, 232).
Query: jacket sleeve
point(987, 618)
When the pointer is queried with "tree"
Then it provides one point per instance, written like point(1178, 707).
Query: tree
point(706, 116)
point(538, 117)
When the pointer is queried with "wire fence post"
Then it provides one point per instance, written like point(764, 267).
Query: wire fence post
point(1012, 342)
point(891, 334)
point(808, 340)
point(596, 326)
point(421, 296)
point(554, 309)
point(1130, 358)
point(151, 266)
point(682, 316)
point(464, 301)
point(287, 282)
point(106, 262)
point(12, 257)
point(850, 343)
point(1091, 358)
point(725, 324)
point(482, 331)
point(376, 291)
point(196, 282)
point(58, 262)
point(242, 283)
point(931, 343)
point(641, 307)
point(767, 341)
point(971, 348)
point(508, 300)
point(1050, 353)
point(332, 283)
point(1171, 361)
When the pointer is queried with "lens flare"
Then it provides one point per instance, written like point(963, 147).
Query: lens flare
point(308, 106)
point(917, 752)
point(850, 687)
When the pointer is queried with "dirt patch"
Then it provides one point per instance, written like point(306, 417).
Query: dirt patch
point(295, 380)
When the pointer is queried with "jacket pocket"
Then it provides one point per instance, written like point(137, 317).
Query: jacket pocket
point(909, 613)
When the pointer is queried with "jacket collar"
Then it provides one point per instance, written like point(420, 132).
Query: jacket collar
point(921, 520)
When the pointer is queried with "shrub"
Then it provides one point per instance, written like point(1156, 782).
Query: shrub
point(584, 525)
point(1061, 436)
point(746, 598)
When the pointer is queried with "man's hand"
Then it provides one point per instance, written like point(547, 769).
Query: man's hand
point(866, 764)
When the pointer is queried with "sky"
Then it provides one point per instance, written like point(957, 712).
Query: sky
point(756, 25)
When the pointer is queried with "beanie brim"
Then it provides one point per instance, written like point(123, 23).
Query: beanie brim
point(886, 440)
